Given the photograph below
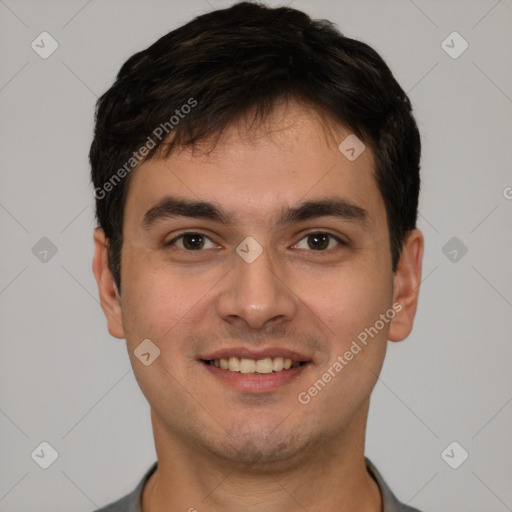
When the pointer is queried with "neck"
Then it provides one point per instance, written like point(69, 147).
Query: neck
point(330, 476)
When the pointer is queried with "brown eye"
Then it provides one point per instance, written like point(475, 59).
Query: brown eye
point(191, 242)
point(319, 241)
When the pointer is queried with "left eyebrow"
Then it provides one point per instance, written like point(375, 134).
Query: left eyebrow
point(329, 207)
point(171, 207)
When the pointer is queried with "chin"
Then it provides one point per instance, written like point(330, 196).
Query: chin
point(263, 450)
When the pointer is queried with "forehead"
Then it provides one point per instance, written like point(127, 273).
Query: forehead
point(253, 171)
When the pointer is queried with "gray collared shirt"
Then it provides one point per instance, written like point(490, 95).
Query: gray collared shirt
point(132, 502)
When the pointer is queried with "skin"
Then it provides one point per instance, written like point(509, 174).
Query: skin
point(220, 448)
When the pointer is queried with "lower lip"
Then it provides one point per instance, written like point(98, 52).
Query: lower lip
point(256, 382)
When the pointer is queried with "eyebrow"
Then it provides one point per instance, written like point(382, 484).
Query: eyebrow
point(172, 207)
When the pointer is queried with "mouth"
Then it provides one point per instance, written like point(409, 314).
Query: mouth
point(256, 370)
point(256, 373)
point(262, 366)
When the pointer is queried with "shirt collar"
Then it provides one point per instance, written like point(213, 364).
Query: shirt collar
point(389, 501)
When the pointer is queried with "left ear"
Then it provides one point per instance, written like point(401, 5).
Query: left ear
point(406, 287)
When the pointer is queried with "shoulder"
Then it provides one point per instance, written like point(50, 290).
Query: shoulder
point(390, 502)
point(122, 505)
point(131, 502)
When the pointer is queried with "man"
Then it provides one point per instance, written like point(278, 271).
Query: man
point(256, 178)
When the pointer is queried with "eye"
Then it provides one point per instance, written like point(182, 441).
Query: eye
point(318, 241)
point(192, 242)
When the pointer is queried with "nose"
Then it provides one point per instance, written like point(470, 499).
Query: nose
point(256, 294)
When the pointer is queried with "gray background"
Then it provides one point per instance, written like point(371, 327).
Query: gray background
point(65, 381)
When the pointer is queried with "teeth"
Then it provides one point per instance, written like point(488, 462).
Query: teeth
point(247, 366)
point(277, 364)
point(266, 365)
point(233, 364)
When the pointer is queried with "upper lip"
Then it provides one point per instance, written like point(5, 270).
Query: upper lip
point(251, 353)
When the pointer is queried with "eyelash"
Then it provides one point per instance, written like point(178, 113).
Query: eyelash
point(180, 237)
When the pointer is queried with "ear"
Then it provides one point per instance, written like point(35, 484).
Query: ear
point(109, 295)
point(406, 287)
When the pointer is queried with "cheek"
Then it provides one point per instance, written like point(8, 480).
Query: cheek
point(157, 299)
point(349, 309)
point(160, 306)
point(347, 299)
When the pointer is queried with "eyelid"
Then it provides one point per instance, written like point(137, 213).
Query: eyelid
point(338, 237)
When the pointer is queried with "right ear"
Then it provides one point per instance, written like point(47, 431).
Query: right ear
point(109, 295)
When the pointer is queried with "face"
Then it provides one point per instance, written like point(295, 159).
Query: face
point(270, 250)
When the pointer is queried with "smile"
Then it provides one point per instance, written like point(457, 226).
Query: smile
point(255, 366)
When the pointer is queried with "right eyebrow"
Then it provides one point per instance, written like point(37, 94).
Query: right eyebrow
point(170, 207)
